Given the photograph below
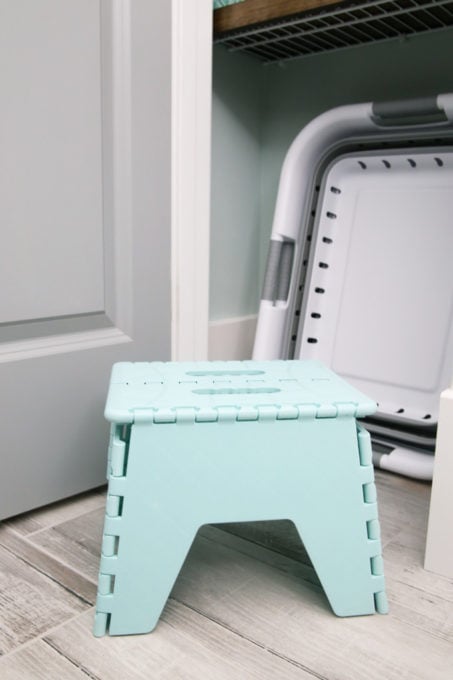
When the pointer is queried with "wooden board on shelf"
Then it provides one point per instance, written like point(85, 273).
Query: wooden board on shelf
point(252, 12)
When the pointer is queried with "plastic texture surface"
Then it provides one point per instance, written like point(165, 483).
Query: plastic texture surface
point(198, 443)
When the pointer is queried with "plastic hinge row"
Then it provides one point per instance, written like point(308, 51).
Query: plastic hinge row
point(380, 597)
point(113, 435)
point(364, 443)
point(190, 415)
point(373, 528)
point(112, 532)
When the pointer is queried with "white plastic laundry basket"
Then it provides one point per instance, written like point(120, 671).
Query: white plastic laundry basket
point(359, 270)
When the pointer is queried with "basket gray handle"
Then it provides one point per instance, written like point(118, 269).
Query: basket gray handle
point(419, 111)
point(277, 278)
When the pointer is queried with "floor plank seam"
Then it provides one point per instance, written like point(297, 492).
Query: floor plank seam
point(52, 556)
point(311, 572)
point(275, 550)
point(297, 664)
point(7, 527)
point(41, 636)
point(49, 576)
point(59, 651)
point(424, 591)
point(10, 521)
point(426, 631)
point(258, 644)
point(253, 542)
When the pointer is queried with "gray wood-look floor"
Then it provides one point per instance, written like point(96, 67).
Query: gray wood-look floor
point(246, 604)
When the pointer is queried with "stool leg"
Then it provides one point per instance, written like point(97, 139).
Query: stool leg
point(344, 570)
point(145, 543)
point(145, 576)
point(341, 534)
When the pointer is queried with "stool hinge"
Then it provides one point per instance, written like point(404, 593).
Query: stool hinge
point(371, 520)
point(117, 469)
point(118, 451)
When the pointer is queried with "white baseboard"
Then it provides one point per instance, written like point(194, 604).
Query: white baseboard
point(232, 339)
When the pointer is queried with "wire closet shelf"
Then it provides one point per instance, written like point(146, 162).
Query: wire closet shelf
point(337, 27)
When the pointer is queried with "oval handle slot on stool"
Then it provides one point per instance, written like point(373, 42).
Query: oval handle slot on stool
point(237, 390)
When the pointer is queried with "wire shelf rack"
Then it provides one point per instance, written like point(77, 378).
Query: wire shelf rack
point(338, 26)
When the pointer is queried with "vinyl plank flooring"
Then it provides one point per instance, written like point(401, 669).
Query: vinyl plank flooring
point(280, 536)
point(414, 608)
point(76, 542)
point(30, 603)
point(423, 599)
point(278, 560)
point(185, 646)
point(47, 564)
point(404, 566)
point(50, 515)
point(403, 505)
point(39, 661)
point(293, 620)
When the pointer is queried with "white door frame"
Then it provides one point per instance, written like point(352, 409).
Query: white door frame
point(191, 161)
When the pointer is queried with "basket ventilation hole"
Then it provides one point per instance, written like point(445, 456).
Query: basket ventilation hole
point(315, 315)
point(427, 417)
point(335, 190)
point(439, 162)
point(362, 165)
point(387, 164)
point(312, 341)
point(411, 162)
point(331, 215)
point(400, 410)
point(326, 239)
point(323, 265)
point(320, 290)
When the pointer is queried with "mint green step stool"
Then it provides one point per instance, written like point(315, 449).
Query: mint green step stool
point(212, 442)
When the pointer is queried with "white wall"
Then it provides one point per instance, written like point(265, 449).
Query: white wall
point(237, 117)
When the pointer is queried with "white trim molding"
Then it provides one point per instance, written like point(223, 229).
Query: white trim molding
point(117, 161)
point(191, 158)
point(439, 544)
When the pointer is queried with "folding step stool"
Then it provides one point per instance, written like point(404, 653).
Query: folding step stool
point(213, 442)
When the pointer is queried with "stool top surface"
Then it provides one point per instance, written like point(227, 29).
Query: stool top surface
point(162, 391)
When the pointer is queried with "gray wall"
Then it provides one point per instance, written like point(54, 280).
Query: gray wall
point(258, 110)
point(237, 118)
